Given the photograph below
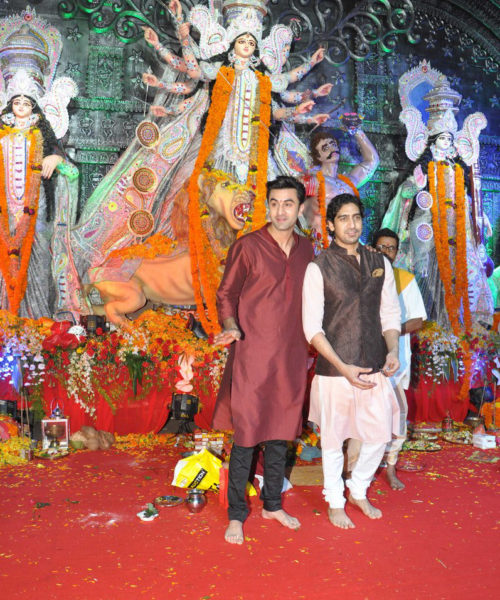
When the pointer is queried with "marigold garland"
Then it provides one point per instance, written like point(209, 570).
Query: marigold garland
point(156, 245)
point(347, 181)
point(456, 298)
point(322, 202)
point(15, 250)
point(322, 207)
point(205, 267)
point(440, 229)
point(468, 371)
point(259, 212)
point(218, 105)
point(444, 231)
point(461, 276)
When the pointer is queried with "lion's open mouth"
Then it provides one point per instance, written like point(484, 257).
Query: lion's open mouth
point(241, 211)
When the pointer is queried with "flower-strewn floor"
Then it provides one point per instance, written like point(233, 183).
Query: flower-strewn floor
point(69, 529)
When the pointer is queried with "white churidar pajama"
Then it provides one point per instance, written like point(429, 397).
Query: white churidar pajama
point(412, 307)
point(343, 411)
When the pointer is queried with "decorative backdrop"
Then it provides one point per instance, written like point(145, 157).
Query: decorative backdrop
point(369, 45)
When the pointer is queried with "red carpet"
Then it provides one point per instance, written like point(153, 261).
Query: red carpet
point(438, 538)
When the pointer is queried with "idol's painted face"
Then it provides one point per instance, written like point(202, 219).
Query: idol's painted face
point(328, 151)
point(444, 141)
point(347, 225)
point(284, 208)
point(22, 107)
point(388, 246)
point(245, 46)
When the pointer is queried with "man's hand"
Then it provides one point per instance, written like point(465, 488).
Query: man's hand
point(49, 164)
point(391, 364)
point(353, 375)
point(227, 336)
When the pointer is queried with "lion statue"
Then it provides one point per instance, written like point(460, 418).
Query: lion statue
point(160, 269)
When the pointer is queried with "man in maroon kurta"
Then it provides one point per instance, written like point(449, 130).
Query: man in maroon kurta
point(260, 303)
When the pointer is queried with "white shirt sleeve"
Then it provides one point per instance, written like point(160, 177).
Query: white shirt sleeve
point(313, 301)
point(414, 307)
point(390, 310)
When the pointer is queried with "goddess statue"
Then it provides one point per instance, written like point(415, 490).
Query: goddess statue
point(436, 211)
point(223, 77)
point(29, 157)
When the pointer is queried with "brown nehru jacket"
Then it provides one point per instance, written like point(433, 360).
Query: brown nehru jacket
point(351, 320)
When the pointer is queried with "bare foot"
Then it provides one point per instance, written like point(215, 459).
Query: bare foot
point(339, 518)
point(366, 508)
point(282, 517)
point(234, 533)
point(394, 482)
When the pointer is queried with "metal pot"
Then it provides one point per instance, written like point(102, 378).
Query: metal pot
point(54, 430)
point(196, 500)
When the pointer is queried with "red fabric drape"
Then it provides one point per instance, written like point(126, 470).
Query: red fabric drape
point(132, 415)
point(7, 392)
point(432, 402)
point(426, 402)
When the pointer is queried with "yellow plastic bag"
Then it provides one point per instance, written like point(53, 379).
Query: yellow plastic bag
point(200, 470)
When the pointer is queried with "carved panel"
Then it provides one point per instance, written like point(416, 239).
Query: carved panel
point(369, 45)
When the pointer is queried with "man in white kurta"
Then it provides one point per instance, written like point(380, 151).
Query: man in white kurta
point(351, 315)
point(413, 315)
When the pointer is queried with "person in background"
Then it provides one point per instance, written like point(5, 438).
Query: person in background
point(413, 316)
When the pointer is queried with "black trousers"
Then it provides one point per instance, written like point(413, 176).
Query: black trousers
point(239, 470)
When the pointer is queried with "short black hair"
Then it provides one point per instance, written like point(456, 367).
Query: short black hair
point(285, 182)
point(337, 202)
point(385, 232)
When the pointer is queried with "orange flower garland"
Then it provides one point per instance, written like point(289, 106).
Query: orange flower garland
point(440, 229)
point(322, 207)
point(447, 272)
point(468, 368)
point(198, 244)
point(259, 212)
point(156, 245)
point(15, 250)
point(161, 326)
point(205, 267)
point(461, 278)
point(459, 297)
point(347, 181)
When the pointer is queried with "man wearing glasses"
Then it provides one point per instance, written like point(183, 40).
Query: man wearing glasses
point(413, 316)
